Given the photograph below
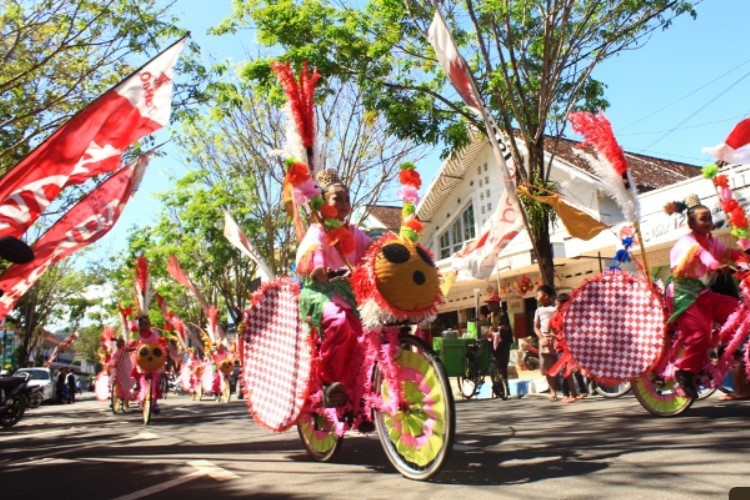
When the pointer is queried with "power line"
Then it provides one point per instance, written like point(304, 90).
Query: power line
point(711, 101)
point(699, 125)
point(683, 97)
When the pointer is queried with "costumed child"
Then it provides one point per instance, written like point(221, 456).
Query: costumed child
point(326, 299)
point(545, 295)
point(120, 367)
point(219, 356)
point(694, 259)
point(148, 335)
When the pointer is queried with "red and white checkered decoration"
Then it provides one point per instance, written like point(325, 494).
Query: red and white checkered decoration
point(615, 326)
point(277, 359)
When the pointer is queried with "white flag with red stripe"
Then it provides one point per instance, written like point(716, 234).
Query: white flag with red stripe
point(91, 143)
point(88, 220)
point(478, 259)
point(237, 238)
point(736, 148)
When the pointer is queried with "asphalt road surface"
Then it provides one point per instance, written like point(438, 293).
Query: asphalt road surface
point(521, 449)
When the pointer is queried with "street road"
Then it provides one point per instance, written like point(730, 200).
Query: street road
point(522, 449)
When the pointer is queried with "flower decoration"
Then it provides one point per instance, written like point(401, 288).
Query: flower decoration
point(524, 285)
point(411, 226)
point(733, 210)
point(342, 237)
point(505, 288)
point(622, 255)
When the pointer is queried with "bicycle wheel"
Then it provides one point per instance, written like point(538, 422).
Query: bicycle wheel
point(418, 437)
point(467, 384)
point(147, 409)
point(659, 397)
point(318, 436)
point(36, 399)
point(499, 385)
point(15, 406)
point(613, 391)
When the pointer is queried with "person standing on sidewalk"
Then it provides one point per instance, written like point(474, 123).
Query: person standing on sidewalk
point(545, 295)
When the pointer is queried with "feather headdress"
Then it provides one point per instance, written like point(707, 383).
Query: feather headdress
point(609, 164)
point(142, 284)
point(301, 110)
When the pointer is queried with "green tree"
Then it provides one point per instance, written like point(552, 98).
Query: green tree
point(59, 295)
point(532, 60)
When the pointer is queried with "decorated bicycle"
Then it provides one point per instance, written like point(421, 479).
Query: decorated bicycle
point(343, 352)
point(619, 327)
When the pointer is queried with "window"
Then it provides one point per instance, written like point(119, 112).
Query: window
point(457, 234)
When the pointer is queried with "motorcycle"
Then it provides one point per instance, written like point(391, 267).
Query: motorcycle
point(14, 398)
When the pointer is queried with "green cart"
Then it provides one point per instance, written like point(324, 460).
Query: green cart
point(470, 360)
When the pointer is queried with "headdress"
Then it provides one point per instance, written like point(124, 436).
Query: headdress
point(328, 177)
point(675, 207)
point(142, 284)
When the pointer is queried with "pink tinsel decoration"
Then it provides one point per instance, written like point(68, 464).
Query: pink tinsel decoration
point(597, 132)
point(305, 192)
point(409, 194)
point(300, 96)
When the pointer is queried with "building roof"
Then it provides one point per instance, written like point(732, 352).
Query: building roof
point(648, 172)
point(390, 217)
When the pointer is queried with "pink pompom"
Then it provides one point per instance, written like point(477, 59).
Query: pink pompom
point(305, 191)
point(725, 193)
point(409, 194)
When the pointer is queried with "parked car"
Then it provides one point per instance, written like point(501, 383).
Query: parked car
point(40, 377)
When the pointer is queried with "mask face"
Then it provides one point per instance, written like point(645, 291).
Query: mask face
point(406, 276)
point(150, 357)
point(226, 366)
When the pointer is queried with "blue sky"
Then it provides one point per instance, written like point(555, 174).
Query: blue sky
point(684, 90)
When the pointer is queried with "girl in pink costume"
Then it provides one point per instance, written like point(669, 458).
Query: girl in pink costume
point(330, 303)
point(693, 259)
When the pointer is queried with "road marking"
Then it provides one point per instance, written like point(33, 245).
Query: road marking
point(146, 435)
point(203, 468)
point(463, 447)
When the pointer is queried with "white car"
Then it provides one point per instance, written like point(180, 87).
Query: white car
point(40, 377)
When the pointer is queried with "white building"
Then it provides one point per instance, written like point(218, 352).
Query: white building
point(467, 187)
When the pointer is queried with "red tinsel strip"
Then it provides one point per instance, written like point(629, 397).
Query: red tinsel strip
point(141, 271)
point(597, 132)
point(300, 95)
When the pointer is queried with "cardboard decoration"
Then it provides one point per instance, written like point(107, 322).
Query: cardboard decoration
point(277, 356)
point(615, 327)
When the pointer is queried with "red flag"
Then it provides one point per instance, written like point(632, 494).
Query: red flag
point(61, 348)
point(91, 143)
point(178, 273)
point(736, 148)
point(90, 219)
point(507, 221)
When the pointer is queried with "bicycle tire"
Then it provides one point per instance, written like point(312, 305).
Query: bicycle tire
point(531, 362)
point(613, 391)
point(660, 398)
point(35, 400)
point(14, 410)
point(499, 385)
point(319, 437)
point(147, 406)
point(418, 437)
point(469, 382)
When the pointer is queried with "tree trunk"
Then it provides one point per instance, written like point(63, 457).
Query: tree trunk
point(544, 254)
